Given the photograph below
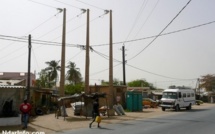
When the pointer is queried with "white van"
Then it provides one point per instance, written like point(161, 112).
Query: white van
point(178, 98)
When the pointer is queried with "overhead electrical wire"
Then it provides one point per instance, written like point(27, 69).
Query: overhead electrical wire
point(90, 5)
point(156, 74)
point(181, 30)
point(42, 4)
point(147, 18)
point(102, 71)
point(161, 30)
point(137, 17)
point(67, 4)
point(106, 57)
point(149, 37)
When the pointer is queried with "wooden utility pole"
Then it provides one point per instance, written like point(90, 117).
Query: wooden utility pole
point(62, 73)
point(123, 65)
point(87, 64)
point(29, 69)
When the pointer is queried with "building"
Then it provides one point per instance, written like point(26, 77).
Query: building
point(12, 89)
point(18, 76)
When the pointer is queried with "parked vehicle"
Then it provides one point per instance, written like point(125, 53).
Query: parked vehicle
point(177, 98)
point(149, 102)
point(77, 107)
point(198, 102)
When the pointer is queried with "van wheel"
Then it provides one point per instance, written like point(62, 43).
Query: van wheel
point(163, 109)
point(177, 108)
point(189, 107)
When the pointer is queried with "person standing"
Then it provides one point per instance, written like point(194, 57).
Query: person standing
point(95, 112)
point(25, 109)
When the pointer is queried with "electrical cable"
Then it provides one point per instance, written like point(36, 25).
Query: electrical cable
point(149, 37)
point(42, 4)
point(137, 17)
point(102, 71)
point(161, 30)
point(90, 5)
point(176, 31)
point(156, 74)
point(67, 4)
point(147, 18)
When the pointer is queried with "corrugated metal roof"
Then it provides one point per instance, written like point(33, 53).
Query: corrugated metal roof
point(11, 86)
point(9, 82)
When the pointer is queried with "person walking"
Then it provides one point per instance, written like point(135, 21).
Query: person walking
point(25, 109)
point(95, 112)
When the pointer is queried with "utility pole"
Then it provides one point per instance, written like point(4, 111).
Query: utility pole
point(87, 64)
point(111, 92)
point(62, 73)
point(29, 68)
point(123, 64)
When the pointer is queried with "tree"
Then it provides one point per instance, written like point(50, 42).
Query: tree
point(140, 83)
point(73, 89)
point(52, 70)
point(42, 81)
point(115, 82)
point(73, 74)
point(208, 82)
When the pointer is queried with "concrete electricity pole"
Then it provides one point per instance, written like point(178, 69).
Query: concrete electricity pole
point(62, 73)
point(87, 64)
point(111, 93)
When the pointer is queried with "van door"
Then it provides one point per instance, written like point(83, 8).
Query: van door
point(180, 100)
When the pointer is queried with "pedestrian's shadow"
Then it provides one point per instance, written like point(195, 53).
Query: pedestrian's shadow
point(104, 128)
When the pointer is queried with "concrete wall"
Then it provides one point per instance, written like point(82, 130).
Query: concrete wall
point(14, 94)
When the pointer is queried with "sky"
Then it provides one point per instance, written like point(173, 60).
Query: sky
point(184, 53)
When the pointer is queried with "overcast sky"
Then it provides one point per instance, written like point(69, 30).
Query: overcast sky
point(177, 58)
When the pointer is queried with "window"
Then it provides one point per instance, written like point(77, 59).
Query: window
point(184, 95)
point(171, 95)
point(188, 94)
point(192, 94)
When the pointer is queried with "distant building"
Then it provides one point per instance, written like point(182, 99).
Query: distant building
point(17, 76)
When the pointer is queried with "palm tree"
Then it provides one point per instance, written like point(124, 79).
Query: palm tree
point(73, 74)
point(52, 70)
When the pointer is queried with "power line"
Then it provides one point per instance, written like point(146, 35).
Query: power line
point(147, 18)
point(42, 4)
point(161, 31)
point(156, 74)
point(176, 31)
point(102, 71)
point(67, 4)
point(149, 37)
point(90, 5)
point(17, 39)
point(137, 17)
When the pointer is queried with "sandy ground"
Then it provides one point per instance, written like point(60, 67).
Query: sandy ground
point(49, 124)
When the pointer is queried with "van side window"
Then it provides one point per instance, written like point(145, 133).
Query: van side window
point(188, 94)
point(192, 94)
point(184, 95)
point(179, 94)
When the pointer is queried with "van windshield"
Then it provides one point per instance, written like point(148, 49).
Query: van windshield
point(170, 95)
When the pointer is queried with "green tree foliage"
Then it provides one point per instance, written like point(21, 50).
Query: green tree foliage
point(52, 70)
point(73, 74)
point(208, 82)
point(140, 83)
point(73, 89)
point(42, 81)
point(115, 82)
